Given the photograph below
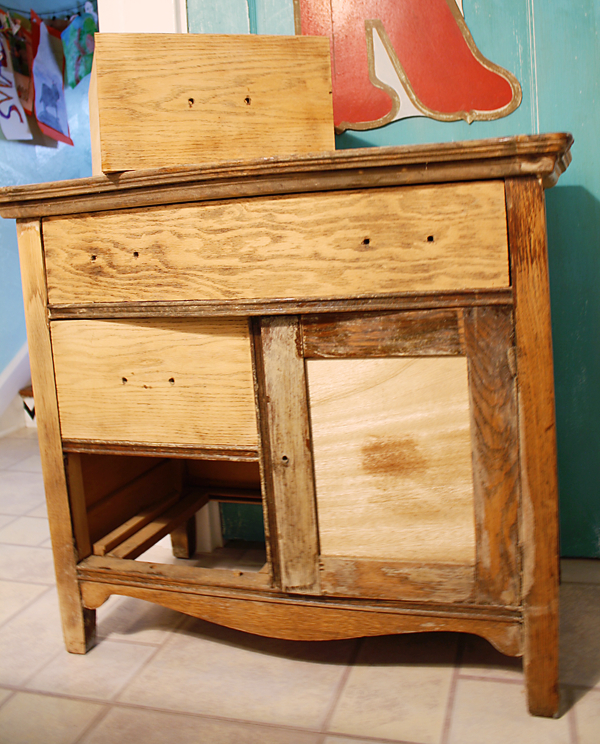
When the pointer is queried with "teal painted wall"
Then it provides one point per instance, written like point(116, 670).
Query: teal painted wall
point(552, 47)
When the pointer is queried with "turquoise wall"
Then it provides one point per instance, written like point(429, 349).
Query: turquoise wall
point(552, 47)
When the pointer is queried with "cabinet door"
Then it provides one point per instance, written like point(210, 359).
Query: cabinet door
point(391, 451)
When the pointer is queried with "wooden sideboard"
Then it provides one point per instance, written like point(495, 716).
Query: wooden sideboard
point(357, 340)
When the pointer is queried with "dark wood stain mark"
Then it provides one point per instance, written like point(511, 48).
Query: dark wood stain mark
point(398, 457)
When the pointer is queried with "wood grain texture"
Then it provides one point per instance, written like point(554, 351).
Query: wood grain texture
point(362, 335)
point(286, 448)
point(168, 99)
point(138, 381)
point(378, 241)
point(425, 581)
point(392, 458)
point(313, 621)
point(183, 539)
point(117, 507)
point(78, 622)
point(495, 436)
point(539, 478)
point(546, 155)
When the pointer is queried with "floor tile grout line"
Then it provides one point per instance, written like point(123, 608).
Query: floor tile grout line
point(94, 723)
point(28, 604)
point(484, 678)
point(28, 581)
point(339, 689)
point(572, 724)
point(452, 691)
point(10, 697)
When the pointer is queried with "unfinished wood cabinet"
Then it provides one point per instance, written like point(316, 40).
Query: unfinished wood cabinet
point(356, 343)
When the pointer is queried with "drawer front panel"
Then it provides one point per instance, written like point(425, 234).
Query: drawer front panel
point(186, 382)
point(448, 237)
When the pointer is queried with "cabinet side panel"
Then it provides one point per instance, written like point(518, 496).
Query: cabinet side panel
point(78, 623)
point(529, 263)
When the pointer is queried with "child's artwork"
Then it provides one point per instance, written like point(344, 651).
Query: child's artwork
point(50, 107)
point(394, 59)
point(13, 120)
point(78, 44)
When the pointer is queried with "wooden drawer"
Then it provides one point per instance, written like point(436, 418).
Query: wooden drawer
point(182, 382)
point(449, 237)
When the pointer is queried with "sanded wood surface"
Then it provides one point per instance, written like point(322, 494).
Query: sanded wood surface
point(495, 436)
point(78, 623)
point(167, 99)
point(314, 621)
point(392, 458)
point(365, 335)
point(426, 581)
point(546, 155)
point(539, 509)
point(286, 448)
point(380, 241)
point(138, 381)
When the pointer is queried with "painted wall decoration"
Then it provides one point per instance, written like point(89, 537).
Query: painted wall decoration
point(394, 59)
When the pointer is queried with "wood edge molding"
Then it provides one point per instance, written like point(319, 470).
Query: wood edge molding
point(283, 306)
point(281, 618)
point(544, 155)
point(98, 447)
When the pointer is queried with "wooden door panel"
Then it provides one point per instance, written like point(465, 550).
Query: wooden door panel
point(392, 456)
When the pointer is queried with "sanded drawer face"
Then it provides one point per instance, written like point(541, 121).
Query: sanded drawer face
point(447, 237)
point(186, 382)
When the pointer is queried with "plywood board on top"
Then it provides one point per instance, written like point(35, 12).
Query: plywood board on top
point(170, 99)
point(185, 382)
point(449, 237)
point(392, 458)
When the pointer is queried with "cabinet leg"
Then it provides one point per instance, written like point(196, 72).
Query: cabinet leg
point(79, 628)
point(183, 539)
point(540, 662)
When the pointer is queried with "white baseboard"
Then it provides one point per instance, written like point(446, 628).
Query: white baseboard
point(14, 377)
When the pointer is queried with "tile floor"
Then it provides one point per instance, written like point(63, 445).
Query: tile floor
point(157, 676)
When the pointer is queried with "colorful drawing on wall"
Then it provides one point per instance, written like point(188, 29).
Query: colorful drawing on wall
point(13, 121)
point(50, 106)
point(394, 59)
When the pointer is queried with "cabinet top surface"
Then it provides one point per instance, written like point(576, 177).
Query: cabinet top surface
point(545, 156)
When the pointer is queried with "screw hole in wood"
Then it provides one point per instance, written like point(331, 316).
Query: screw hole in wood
point(247, 100)
point(285, 459)
point(172, 380)
point(136, 254)
point(190, 102)
point(430, 238)
point(124, 380)
point(93, 258)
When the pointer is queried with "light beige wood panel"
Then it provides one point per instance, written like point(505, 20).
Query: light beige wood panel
point(378, 241)
point(167, 99)
point(153, 381)
point(392, 458)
